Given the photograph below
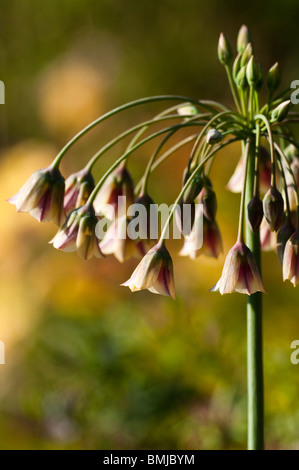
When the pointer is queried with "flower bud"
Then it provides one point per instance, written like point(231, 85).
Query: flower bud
point(273, 209)
point(244, 37)
point(283, 235)
point(273, 78)
point(78, 188)
point(241, 79)
point(252, 72)
point(290, 264)
point(246, 55)
point(240, 272)
point(194, 187)
point(188, 110)
point(154, 272)
point(42, 196)
point(255, 213)
point(214, 137)
point(208, 199)
point(237, 65)
point(224, 50)
point(281, 111)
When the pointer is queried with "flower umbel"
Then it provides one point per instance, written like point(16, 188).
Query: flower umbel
point(154, 272)
point(240, 272)
point(42, 196)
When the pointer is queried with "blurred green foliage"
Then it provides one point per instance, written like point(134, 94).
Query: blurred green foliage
point(90, 365)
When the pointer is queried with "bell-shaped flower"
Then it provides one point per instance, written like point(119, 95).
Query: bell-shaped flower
point(42, 196)
point(79, 234)
point(290, 265)
point(78, 188)
point(240, 272)
point(205, 237)
point(117, 242)
point(154, 272)
point(117, 192)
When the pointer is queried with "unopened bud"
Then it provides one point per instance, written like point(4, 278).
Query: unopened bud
point(273, 209)
point(224, 50)
point(273, 78)
point(209, 201)
point(214, 137)
point(281, 111)
point(255, 213)
point(244, 37)
point(241, 79)
point(246, 55)
point(252, 72)
point(237, 65)
point(188, 110)
point(194, 187)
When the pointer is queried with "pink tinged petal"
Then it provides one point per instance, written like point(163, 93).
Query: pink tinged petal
point(235, 183)
point(240, 272)
point(291, 260)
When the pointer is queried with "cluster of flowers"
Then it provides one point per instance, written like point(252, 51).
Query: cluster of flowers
point(76, 204)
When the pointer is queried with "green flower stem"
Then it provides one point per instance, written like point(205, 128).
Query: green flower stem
point(127, 153)
point(242, 203)
point(271, 142)
point(232, 87)
point(117, 139)
point(255, 382)
point(256, 189)
point(163, 157)
point(163, 113)
point(186, 185)
point(209, 105)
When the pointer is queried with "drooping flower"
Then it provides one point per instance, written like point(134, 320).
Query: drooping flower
point(117, 191)
point(42, 196)
point(290, 265)
point(154, 272)
point(205, 237)
point(78, 188)
point(285, 232)
point(240, 272)
point(117, 242)
point(78, 234)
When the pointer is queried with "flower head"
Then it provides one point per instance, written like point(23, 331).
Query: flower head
point(285, 232)
point(78, 234)
point(42, 196)
point(78, 188)
point(154, 272)
point(290, 265)
point(240, 272)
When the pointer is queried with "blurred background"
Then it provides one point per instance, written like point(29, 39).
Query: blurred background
point(88, 364)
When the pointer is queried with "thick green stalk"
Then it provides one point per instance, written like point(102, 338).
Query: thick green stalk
point(255, 380)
